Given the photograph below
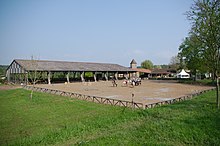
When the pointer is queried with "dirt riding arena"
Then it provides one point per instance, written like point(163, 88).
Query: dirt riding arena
point(150, 91)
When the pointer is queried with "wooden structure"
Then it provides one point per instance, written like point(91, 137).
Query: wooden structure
point(162, 73)
point(133, 64)
point(142, 72)
point(96, 99)
point(115, 102)
point(139, 72)
point(174, 100)
point(20, 71)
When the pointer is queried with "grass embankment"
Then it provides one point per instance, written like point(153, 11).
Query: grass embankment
point(49, 119)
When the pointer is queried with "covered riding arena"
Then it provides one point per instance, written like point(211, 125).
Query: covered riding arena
point(43, 71)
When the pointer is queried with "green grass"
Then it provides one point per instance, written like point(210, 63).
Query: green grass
point(56, 120)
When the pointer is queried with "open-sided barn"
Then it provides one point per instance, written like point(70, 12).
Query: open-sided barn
point(20, 71)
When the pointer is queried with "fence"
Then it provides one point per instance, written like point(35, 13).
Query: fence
point(174, 100)
point(116, 102)
point(96, 99)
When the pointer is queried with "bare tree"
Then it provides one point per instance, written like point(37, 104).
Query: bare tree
point(175, 62)
point(33, 75)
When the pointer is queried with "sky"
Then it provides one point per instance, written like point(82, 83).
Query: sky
point(105, 31)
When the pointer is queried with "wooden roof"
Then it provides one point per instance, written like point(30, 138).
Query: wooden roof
point(160, 71)
point(143, 70)
point(43, 65)
point(133, 61)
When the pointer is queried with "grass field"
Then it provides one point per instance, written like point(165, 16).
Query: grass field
point(56, 120)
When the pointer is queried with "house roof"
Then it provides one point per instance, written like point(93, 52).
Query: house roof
point(133, 61)
point(44, 65)
point(143, 70)
point(160, 71)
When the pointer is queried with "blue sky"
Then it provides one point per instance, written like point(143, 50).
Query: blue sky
point(110, 31)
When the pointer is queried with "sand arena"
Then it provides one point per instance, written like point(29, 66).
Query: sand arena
point(150, 91)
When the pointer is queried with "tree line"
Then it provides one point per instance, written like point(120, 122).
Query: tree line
point(199, 51)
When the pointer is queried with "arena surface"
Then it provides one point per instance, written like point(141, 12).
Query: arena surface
point(150, 91)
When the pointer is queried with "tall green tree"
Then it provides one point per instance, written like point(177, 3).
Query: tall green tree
point(205, 19)
point(190, 55)
point(147, 64)
point(157, 66)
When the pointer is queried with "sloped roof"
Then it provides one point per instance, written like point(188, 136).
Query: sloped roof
point(133, 61)
point(160, 71)
point(143, 70)
point(43, 65)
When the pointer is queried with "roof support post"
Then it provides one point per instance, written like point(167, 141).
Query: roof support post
point(20, 78)
point(82, 76)
point(68, 77)
point(126, 76)
point(94, 75)
point(15, 78)
point(74, 75)
point(106, 76)
point(8, 75)
point(49, 77)
point(116, 75)
point(26, 78)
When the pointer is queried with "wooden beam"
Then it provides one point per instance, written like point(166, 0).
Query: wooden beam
point(82, 77)
point(94, 74)
point(106, 76)
point(116, 75)
point(49, 77)
point(68, 77)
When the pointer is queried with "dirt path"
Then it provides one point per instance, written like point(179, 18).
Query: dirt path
point(9, 87)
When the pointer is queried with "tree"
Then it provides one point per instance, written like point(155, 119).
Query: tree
point(32, 74)
point(190, 55)
point(157, 66)
point(164, 66)
point(205, 18)
point(175, 62)
point(147, 64)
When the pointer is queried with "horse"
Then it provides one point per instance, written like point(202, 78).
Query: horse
point(114, 83)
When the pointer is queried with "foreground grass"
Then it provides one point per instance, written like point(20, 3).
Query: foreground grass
point(55, 120)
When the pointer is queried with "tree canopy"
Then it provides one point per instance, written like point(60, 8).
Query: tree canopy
point(204, 37)
point(190, 52)
point(147, 64)
point(174, 62)
point(200, 50)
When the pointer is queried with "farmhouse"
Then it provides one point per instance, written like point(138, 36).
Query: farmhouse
point(153, 73)
point(139, 72)
point(23, 71)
